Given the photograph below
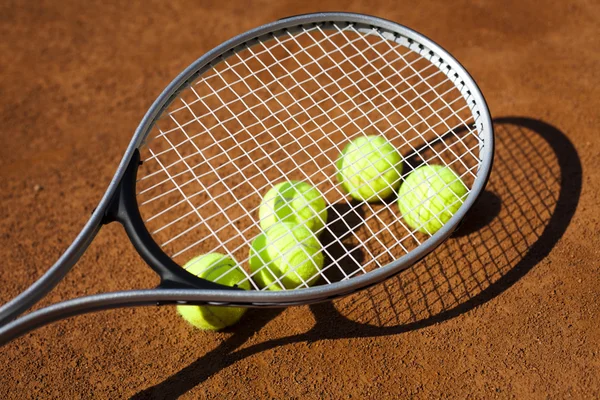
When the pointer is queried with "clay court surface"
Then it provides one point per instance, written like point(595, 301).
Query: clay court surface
point(507, 308)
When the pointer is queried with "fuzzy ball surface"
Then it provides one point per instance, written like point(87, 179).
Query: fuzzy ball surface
point(218, 268)
point(286, 256)
point(369, 168)
point(430, 196)
point(296, 202)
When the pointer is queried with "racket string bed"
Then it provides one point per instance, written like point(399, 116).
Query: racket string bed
point(283, 108)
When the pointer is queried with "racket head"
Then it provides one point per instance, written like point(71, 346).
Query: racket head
point(409, 42)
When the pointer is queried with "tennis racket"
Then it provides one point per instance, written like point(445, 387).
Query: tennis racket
point(279, 103)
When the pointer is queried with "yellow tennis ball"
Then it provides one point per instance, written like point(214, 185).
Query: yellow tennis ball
point(369, 168)
point(286, 256)
point(218, 268)
point(296, 202)
point(260, 265)
point(430, 196)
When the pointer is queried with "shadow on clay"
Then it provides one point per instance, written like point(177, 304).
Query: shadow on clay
point(528, 204)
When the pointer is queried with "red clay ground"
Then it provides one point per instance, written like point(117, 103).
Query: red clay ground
point(507, 309)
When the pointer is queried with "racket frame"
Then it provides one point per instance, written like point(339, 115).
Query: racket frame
point(180, 287)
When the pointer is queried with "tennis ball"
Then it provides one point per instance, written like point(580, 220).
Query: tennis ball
point(285, 257)
point(430, 196)
point(369, 168)
point(218, 268)
point(260, 264)
point(293, 201)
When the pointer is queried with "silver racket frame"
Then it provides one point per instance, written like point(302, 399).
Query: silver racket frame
point(159, 296)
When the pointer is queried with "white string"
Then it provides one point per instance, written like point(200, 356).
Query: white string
point(241, 80)
point(268, 142)
point(242, 156)
point(291, 131)
point(307, 96)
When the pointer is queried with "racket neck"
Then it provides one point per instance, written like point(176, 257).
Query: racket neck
point(124, 209)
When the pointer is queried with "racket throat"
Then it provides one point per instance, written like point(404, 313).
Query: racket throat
point(123, 208)
point(122, 201)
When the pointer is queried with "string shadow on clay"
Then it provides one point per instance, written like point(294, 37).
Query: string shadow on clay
point(537, 180)
point(485, 209)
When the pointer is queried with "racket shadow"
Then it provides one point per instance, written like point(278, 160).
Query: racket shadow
point(530, 200)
